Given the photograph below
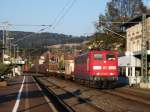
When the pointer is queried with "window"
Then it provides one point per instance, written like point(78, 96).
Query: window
point(98, 57)
point(110, 57)
point(132, 33)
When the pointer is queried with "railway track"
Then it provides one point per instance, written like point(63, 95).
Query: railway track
point(92, 104)
point(59, 105)
point(128, 95)
point(117, 100)
point(132, 94)
point(71, 99)
point(81, 98)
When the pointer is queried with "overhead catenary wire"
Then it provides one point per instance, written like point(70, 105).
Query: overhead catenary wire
point(64, 14)
point(59, 14)
point(28, 35)
point(113, 32)
point(29, 25)
point(59, 17)
point(22, 25)
point(110, 30)
point(47, 26)
point(116, 22)
point(55, 23)
point(32, 34)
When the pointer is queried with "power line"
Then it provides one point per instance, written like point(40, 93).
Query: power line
point(116, 22)
point(32, 34)
point(56, 20)
point(12, 25)
point(64, 14)
point(47, 26)
point(114, 32)
point(62, 11)
point(28, 25)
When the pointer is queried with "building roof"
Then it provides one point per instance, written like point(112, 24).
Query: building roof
point(134, 21)
point(129, 61)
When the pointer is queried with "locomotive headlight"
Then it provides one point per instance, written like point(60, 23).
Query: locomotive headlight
point(98, 74)
point(112, 67)
point(97, 67)
point(111, 74)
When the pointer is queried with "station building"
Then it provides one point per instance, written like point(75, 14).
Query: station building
point(130, 64)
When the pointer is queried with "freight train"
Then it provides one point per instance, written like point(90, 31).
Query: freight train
point(99, 68)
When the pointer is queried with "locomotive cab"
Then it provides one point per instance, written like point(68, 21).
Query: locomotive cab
point(103, 65)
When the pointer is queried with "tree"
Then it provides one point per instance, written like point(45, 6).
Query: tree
point(120, 11)
point(5, 70)
point(107, 41)
point(117, 11)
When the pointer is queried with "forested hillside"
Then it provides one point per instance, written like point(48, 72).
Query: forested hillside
point(38, 40)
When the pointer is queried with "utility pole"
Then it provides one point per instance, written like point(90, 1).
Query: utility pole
point(6, 41)
point(144, 50)
point(3, 53)
point(10, 46)
point(15, 50)
point(5, 36)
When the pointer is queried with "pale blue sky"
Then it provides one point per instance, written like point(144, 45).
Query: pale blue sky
point(78, 21)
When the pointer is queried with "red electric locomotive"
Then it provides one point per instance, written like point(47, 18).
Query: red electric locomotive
point(97, 67)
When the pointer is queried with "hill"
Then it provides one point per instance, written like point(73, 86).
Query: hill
point(39, 40)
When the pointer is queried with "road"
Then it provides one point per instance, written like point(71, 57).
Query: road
point(24, 95)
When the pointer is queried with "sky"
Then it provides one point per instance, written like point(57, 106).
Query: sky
point(77, 19)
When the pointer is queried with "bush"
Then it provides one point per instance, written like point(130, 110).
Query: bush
point(5, 70)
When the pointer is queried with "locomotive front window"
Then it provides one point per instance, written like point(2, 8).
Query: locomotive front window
point(98, 57)
point(110, 57)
